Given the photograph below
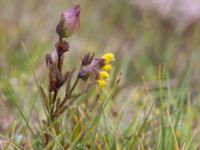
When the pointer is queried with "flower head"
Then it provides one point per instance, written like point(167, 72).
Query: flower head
point(96, 68)
point(69, 22)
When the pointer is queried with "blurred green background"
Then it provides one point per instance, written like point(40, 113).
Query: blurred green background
point(143, 36)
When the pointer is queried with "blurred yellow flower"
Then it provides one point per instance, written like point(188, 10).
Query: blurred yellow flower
point(101, 83)
point(176, 147)
point(178, 133)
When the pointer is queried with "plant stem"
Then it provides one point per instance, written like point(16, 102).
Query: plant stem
point(73, 87)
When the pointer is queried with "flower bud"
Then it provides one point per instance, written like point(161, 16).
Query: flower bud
point(87, 59)
point(62, 47)
point(69, 22)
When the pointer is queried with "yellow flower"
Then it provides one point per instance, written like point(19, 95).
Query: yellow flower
point(176, 147)
point(107, 67)
point(108, 57)
point(101, 83)
point(178, 133)
point(103, 75)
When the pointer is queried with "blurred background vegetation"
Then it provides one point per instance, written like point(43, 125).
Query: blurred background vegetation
point(142, 34)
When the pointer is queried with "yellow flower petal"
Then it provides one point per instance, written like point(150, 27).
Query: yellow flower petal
point(101, 83)
point(107, 67)
point(108, 57)
point(103, 75)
